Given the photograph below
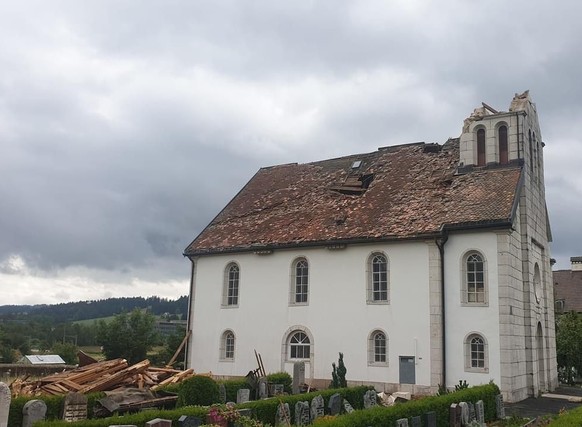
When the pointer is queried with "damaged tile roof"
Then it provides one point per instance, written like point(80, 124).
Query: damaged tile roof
point(398, 192)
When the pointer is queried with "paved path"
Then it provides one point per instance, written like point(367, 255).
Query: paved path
point(563, 398)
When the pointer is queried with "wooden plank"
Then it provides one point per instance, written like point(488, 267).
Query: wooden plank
point(173, 359)
point(116, 378)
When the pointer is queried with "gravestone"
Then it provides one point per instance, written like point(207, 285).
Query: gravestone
point(348, 407)
point(415, 422)
point(370, 399)
point(245, 412)
point(499, 406)
point(75, 407)
point(263, 388)
point(189, 421)
point(298, 377)
point(317, 407)
point(159, 422)
point(480, 412)
point(276, 389)
point(283, 417)
point(429, 419)
point(454, 415)
point(464, 413)
point(33, 411)
point(5, 398)
point(402, 422)
point(222, 392)
point(302, 416)
point(471, 411)
point(243, 395)
point(335, 404)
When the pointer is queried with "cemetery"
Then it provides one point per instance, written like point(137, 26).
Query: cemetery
point(200, 400)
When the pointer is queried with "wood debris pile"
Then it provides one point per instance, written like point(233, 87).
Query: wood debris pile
point(101, 376)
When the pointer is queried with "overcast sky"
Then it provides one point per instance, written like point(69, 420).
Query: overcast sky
point(125, 126)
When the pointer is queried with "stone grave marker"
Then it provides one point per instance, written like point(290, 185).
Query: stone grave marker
point(348, 407)
point(317, 407)
point(5, 398)
point(189, 421)
point(243, 395)
point(370, 399)
point(454, 415)
point(33, 411)
point(298, 377)
point(415, 422)
point(429, 419)
point(276, 389)
point(159, 422)
point(335, 404)
point(499, 406)
point(402, 422)
point(245, 412)
point(75, 407)
point(471, 411)
point(480, 412)
point(222, 392)
point(302, 416)
point(263, 388)
point(464, 413)
point(283, 417)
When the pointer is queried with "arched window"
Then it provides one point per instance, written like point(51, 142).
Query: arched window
point(378, 279)
point(476, 353)
point(231, 285)
point(481, 160)
point(503, 147)
point(474, 290)
point(299, 345)
point(299, 282)
point(227, 346)
point(378, 348)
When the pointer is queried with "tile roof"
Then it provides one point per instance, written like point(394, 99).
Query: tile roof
point(568, 287)
point(414, 191)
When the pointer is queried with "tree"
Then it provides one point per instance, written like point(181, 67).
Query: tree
point(128, 335)
point(68, 352)
point(339, 373)
point(569, 345)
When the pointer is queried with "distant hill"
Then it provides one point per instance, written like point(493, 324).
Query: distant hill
point(82, 310)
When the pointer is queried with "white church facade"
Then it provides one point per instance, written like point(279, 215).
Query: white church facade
point(424, 264)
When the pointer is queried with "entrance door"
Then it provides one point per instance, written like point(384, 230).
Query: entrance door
point(407, 370)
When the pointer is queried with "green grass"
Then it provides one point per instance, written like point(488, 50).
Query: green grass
point(91, 321)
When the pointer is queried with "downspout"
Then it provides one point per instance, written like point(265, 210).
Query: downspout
point(440, 242)
point(190, 315)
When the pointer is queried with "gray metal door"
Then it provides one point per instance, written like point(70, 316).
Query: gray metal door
point(407, 370)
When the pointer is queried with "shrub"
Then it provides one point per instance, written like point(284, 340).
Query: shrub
point(281, 378)
point(232, 386)
point(381, 416)
point(198, 390)
point(338, 373)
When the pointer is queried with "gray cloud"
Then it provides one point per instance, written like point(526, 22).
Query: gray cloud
point(126, 126)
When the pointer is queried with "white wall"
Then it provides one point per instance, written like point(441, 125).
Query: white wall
point(337, 316)
point(462, 320)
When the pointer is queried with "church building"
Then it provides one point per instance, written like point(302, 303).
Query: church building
point(424, 264)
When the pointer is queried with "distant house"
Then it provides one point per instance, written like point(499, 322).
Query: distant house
point(170, 327)
point(42, 359)
point(568, 287)
point(425, 264)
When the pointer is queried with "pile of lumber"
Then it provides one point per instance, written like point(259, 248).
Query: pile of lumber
point(101, 376)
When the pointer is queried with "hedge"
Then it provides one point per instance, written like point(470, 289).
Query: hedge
point(382, 416)
point(54, 407)
point(264, 410)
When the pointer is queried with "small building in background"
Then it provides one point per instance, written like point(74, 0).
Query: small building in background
point(568, 287)
point(42, 359)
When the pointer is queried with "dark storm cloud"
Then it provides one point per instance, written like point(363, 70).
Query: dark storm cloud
point(126, 126)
